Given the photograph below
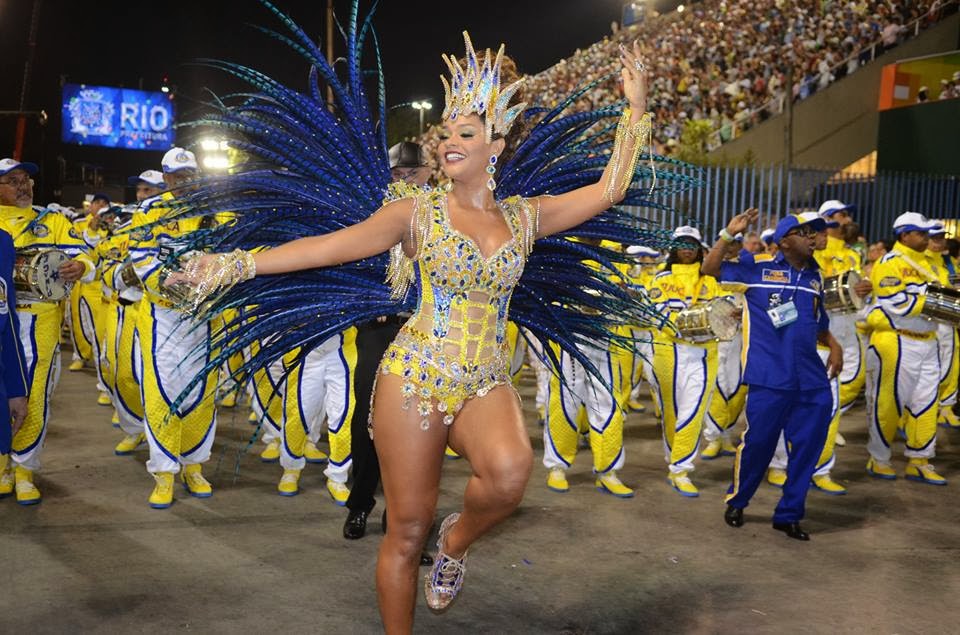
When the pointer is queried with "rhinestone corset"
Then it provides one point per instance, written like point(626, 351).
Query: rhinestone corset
point(453, 347)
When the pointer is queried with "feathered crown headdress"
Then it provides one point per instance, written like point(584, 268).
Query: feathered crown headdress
point(476, 89)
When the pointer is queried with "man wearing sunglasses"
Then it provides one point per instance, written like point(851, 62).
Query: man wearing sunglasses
point(787, 389)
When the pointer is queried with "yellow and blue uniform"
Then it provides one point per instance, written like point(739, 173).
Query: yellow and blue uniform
point(835, 259)
point(320, 387)
point(787, 387)
point(580, 403)
point(948, 341)
point(121, 349)
point(637, 365)
point(86, 309)
point(174, 350)
point(685, 370)
point(40, 322)
point(729, 394)
point(903, 366)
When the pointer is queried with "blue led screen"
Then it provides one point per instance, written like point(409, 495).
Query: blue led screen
point(117, 117)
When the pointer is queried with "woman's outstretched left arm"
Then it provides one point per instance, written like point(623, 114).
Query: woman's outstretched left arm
point(557, 213)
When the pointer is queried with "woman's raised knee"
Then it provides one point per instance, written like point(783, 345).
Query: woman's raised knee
point(508, 475)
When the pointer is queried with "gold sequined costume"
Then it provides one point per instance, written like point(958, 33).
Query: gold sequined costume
point(454, 346)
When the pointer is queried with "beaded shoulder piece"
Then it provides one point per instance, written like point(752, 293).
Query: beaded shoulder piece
point(400, 271)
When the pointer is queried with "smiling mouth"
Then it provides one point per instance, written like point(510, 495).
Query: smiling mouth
point(453, 157)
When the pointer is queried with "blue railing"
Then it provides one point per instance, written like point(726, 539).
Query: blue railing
point(776, 191)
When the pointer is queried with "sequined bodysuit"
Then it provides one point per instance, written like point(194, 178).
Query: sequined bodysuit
point(453, 347)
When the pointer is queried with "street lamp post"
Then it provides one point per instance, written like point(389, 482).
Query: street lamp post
point(421, 107)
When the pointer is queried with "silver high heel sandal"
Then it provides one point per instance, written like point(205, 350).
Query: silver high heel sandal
point(442, 584)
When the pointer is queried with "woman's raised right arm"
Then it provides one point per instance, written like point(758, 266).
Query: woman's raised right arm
point(384, 229)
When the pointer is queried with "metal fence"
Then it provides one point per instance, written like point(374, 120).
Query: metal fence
point(775, 191)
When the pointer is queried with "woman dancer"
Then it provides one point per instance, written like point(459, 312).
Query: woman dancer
point(445, 379)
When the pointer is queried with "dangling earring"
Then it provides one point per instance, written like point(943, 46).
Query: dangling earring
point(491, 170)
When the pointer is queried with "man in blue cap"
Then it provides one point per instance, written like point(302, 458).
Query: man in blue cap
point(787, 389)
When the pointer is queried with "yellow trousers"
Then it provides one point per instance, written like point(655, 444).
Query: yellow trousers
point(686, 374)
point(40, 325)
point(174, 350)
point(320, 387)
point(582, 401)
point(903, 377)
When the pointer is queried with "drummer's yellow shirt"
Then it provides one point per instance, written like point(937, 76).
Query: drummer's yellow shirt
point(837, 258)
point(33, 229)
point(679, 288)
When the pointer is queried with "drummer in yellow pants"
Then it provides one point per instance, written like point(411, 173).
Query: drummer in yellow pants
point(582, 401)
point(685, 369)
point(318, 387)
point(40, 322)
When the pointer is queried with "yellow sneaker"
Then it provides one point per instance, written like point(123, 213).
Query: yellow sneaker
point(75, 365)
point(683, 485)
point(610, 484)
point(918, 470)
point(162, 495)
point(271, 453)
point(104, 400)
point(712, 450)
point(828, 486)
point(6, 476)
point(115, 420)
point(840, 441)
point(27, 492)
point(557, 481)
point(194, 482)
point(253, 418)
point(129, 444)
point(229, 400)
point(448, 453)
point(289, 484)
point(880, 470)
point(776, 477)
point(339, 492)
point(727, 447)
point(313, 454)
point(635, 406)
point(947, 418)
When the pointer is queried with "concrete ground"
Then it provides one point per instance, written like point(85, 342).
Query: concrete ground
point(94, 558)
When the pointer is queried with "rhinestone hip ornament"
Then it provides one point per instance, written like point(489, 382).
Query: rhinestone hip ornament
point(491, 170)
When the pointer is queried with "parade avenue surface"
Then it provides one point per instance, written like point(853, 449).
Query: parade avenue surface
point(882, 559)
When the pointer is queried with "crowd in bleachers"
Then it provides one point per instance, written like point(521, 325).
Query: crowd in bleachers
point(726, 61)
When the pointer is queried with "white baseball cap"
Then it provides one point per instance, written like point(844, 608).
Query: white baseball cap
point(937, 229)
point(640, 250)
point(8, 165)
point(686, 231)
point(912, 221)
point(829, 208)
point(153, 178)
point(767, 235)
point(177, 159)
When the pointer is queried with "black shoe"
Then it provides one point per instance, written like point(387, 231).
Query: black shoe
point(383, 522)
point(426, 560)
point(733, 516)
point(793, 530)
point(356, 525)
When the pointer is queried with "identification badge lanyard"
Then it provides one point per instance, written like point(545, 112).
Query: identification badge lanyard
point(786, 313)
